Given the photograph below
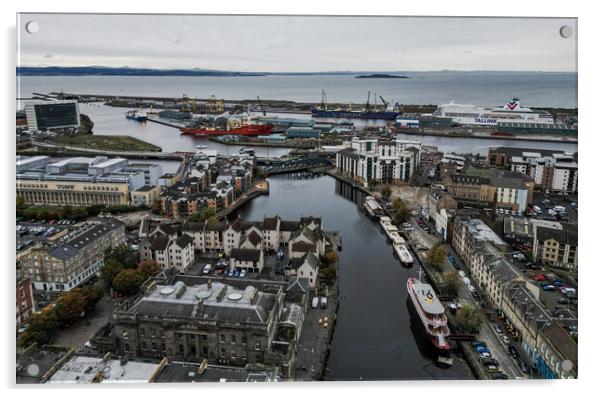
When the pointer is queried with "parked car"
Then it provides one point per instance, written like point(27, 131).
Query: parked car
point(482, 349)
point(498, 329)
point(237, 273)
point(538, 277)
point(489, 361)
point(548, 287)
point(499, 375)
point(513, 352)
point(563, 301)
point(505, 339)
point(478, 343)
point(323, 302)
point(207, 268)
point(486, 355)
point(314, 302)
point(243, 273)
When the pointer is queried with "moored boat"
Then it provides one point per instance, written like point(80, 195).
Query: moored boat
point(388, 227)
point(401, 250)
point(373, 209)
point(430, 314)
point(136, 116)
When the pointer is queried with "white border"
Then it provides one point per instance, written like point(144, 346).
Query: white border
point(590, 117)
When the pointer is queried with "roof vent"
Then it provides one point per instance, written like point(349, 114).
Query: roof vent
point(167, 291)
point(235, 296)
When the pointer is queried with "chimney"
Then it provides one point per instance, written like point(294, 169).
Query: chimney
point(209, 284)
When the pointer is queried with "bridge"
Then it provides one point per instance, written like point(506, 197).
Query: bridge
point(297, 164)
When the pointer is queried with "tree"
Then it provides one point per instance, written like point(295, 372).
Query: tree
point(122, 254)
point(386, 192)
point(149, 268)
point(40, 329)
point(20, 203)
point(70, 306)
point(436, 256)
point(469, 319)
point(331, 257)
point(451, 283)
point(92, 295)
point(110, 270)
point(128, 281)
point(329, 274)
point(372, 183)
point(202, 215)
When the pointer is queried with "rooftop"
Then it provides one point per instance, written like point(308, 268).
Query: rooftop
point(83, 369)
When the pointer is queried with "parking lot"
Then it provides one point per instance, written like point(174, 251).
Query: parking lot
point(30, 231)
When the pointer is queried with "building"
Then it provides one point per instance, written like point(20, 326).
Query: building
point(468, 232)
point(210, 321)
point(36, 364)
point(556, 173)
point(70, 261)
point(491, 271)
point(25, 301)
point(558, 353)
point(248, 259)
point(556, 247)
point(490, 187)
point(169, 249)
point(306, 267)
point(146, 195)
point(183, 372)
point(437, 200)
point(302, 132)
point(501, 156)
point(48, 115)
point(81, 369)
point(78, 181)
point(383, 161)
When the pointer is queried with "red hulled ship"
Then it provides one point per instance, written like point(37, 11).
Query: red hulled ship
point(246, 130)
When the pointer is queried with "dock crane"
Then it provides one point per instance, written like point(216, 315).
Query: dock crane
point(385, 103)
point(261, 106)
point(324, 101)
point(368, 102)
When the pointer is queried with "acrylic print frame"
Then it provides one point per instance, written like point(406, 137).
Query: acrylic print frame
point(200, 199)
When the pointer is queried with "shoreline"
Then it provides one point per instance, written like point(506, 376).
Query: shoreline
point(486, 135)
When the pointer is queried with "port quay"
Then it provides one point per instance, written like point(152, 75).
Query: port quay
point(328, 241)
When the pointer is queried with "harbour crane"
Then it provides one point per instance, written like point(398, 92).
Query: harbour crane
point(324, 101)
point(368, 102)
point(385, 103)
point(261, 106)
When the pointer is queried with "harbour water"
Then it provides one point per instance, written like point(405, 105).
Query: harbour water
point(374, 337)
point(479, 88)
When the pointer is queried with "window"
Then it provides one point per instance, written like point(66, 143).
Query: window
point(222, 338)
point(126, 347)
point(181, 348)
point(143, 345)
point(232, 338)
point(142, 331)
point(257, 345)
point(222, 352)
point(244, 339)
point(204, 338)
point(233, 355)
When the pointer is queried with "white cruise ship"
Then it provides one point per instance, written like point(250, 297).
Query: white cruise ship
point(491, 116)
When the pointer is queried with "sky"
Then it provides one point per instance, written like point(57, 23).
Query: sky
point(298, 43)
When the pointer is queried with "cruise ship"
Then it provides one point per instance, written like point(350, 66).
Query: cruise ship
point(430, 312)
point(491, 116)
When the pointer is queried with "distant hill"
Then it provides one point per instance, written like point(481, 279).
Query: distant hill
point(380, 76)
point(106, 71)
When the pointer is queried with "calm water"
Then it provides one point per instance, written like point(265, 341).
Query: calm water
point(482, 88)
point(373, 337)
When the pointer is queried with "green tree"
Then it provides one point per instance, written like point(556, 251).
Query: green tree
point(108, 272)
point(41, 329)
point(201, 216)
point(128, 281)
point(149, 268)
point(451, 283)
point(436, 256)
point(468, 318)
point(329, 274)
point(386, 192)
point(122, 254)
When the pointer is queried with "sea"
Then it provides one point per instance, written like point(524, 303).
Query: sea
point(537, 89)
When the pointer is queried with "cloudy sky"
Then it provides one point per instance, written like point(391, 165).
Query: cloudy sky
point(298, 44)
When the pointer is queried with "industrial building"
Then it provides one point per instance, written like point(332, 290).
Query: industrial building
point(47, 115)
point(82, 181)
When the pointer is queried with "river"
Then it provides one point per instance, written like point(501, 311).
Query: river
point(373, 337)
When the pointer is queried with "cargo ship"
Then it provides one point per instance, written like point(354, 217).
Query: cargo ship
point(371, 111)
point(430, 314)
point(134, 115)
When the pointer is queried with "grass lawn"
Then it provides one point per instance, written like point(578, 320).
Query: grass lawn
point(107, 142)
